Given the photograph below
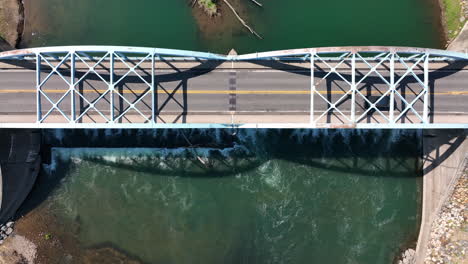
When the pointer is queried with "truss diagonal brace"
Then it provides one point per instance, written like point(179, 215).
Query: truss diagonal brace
point(312, 86)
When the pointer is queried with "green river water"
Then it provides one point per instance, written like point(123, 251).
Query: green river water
point(259, 196)
point(282, 24)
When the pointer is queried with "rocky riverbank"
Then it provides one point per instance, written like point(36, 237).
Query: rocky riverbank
point(449, 234)
point(11, 23)
point(38, 238)
point(5, 231)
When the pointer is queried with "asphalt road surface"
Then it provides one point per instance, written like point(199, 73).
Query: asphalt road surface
point(241, 91)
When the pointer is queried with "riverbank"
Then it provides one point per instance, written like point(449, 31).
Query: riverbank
point(11, 23)
point(449, 234)
point(40, 238)
point(454, 14)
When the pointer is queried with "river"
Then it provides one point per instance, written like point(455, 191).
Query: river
point(282, 24)
point(248, 196)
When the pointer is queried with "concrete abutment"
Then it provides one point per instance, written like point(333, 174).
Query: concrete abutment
point(444, 153)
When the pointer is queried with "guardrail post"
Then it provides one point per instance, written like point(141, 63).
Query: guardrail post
point(392, 88)
point(312, 87)
point(38, 88)
point(426, 90)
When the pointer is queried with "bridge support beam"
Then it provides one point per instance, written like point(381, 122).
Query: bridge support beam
point(426, 90)
point(111, 87)
point(312, 87)
point(72, 87)
point(38, 88)
point(392, 89)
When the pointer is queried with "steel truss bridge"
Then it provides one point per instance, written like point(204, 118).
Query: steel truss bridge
point(132, 87)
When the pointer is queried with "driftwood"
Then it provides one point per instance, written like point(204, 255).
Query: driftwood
point(241, 20)
point(257, 3)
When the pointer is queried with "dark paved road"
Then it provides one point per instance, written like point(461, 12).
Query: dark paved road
point(221, 91)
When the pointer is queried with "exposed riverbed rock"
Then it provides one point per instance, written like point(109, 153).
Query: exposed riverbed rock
point(408, 257)
point(11, 23)
point(17, 249)
point(5, 231)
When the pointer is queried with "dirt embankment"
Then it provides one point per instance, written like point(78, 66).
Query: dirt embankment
point(11, 23)
point(454, 17)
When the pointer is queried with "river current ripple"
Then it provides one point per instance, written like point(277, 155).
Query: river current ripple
point(247, 196)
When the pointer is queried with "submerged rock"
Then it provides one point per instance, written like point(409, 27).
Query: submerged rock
point(107, 255)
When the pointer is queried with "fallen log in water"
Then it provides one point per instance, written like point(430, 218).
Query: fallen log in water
point(241, 20)
point(257, 3)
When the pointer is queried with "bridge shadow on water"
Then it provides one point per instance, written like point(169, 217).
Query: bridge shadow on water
point(364, 154)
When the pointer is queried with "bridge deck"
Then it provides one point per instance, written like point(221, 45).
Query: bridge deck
point(386, 91)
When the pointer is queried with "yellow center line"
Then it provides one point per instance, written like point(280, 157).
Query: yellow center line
point(265, 92)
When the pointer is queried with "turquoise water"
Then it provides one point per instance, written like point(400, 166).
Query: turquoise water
point(256, 196)
point(282, 24)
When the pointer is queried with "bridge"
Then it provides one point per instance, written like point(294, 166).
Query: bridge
point(133, 87)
